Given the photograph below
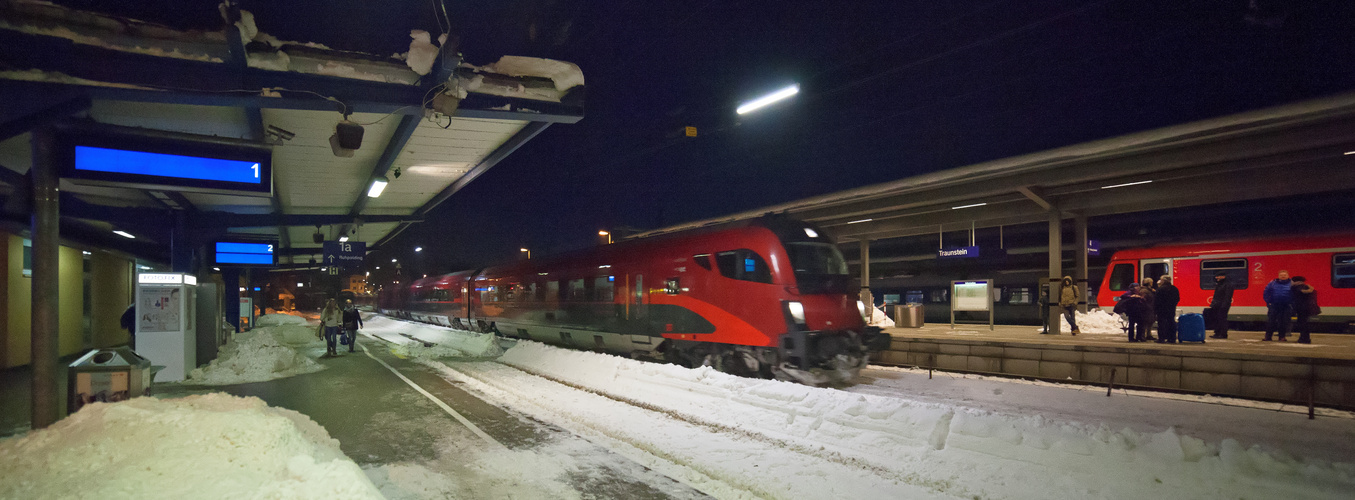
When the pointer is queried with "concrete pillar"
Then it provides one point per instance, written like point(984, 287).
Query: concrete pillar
point(181, 246)
point(230, 278)
point(1055, 270)
point(865, 274)
point(1080, 261)
point(45, 326)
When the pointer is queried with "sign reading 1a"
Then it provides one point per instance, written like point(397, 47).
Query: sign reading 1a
point(344, 254)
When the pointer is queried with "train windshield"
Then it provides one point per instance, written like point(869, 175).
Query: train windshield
point(819, 268)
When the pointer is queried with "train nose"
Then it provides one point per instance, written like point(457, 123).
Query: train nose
point(829, 346)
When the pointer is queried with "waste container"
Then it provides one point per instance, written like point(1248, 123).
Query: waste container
point(107, 375)
point(908, 316)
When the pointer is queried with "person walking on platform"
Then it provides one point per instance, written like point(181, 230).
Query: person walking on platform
point(1220, 303)
point(1166, 299)
point(1305, 306)
point(1148, 290)
point(331, 318)
point(1279, 305)
point(1068, 301)
point(352, 320)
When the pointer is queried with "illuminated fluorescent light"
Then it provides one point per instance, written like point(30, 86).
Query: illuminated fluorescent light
point(343, 238)
point(608, 266)
point(968, 206)
point(300, 285)
point(1348, 153)
point(1126, 184)
point(418, 249)
point(860, 221)
point(378, 185)
point(124, 234)
point(85, 252)
point(758, 103)
point(216, 269)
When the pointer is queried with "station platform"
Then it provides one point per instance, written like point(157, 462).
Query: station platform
point(437, 439)
point(1241, 365)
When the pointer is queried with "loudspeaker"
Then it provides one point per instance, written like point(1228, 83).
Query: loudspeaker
point(349, 134)
point(339, 150)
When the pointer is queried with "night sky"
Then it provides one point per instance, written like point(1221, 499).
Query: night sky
point(889, 89)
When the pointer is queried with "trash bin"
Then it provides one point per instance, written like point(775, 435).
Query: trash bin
point(107, 375)
point(908, 316)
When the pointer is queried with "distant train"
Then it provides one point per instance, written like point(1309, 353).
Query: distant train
point(1328, 263)
point(770, 297)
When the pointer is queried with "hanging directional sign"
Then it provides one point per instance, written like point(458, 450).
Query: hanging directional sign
point(345, 254)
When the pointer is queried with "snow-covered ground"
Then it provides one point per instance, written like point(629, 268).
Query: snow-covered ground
point(209, 446)
point(732, 437)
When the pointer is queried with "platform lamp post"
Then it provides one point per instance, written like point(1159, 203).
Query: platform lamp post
point(607, 234)
point(528, 252)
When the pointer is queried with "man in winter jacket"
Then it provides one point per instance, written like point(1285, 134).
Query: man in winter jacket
point(1279, 305)
point(352, 321)
point(1068, 301)
point(1219, 305)
point(1305, 306)
point(1165, 301)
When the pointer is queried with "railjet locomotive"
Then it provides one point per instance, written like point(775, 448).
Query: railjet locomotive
point(766, 298)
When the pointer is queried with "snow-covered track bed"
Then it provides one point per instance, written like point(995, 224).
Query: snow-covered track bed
point(721, 460)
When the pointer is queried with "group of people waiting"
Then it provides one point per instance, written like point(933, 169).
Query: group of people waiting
point(1286, 297)
point(339, 325)
point(1149, 303)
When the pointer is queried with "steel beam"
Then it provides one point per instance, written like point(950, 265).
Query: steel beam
point(59, 111)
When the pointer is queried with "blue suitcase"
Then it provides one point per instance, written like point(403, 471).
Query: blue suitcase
point(1190, 327)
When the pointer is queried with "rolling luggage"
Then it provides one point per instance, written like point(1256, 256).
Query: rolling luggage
point(1190, 328)
point(1208, 314)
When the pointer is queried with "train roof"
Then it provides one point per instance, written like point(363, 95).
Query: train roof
point(1235, 246)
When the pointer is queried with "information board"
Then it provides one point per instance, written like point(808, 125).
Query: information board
point(972, 295)
point(249, 253)
point(344, 254)
point(117, 159)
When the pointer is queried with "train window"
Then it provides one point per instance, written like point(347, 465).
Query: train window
point(604, 289)
point(671, 287)
point(939, 295)
point(1236, 269)
point(1019, 295)
point(744, 265)
point(1121, 276)
point(913, 297)
point(1343, 270)
point(577, 291)
point(702, 260)
point(816, 258)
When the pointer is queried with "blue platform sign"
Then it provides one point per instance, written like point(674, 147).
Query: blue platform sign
point(344, 254)
point(259, 254)
point(958, 253)
point(181, 167)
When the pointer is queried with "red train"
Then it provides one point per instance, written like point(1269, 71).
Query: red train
point(1328, 263)
point(769, 297)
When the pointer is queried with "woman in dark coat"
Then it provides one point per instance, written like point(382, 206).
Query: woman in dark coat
point(1135, 310)
point(1166, 300)
point(1148, 290)
point(1305, 306)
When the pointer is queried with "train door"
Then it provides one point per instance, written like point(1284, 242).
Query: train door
point(638, 312)
point(1154, 268)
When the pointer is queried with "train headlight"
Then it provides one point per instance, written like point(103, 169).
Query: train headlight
point(797, 312)
point(861, 306)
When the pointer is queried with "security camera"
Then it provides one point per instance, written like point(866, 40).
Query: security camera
point(277, 134)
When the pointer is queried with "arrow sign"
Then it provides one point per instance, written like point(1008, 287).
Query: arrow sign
point(345, 254)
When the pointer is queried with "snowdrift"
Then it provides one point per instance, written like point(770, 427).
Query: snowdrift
point(209, 446)
point(447, 343)
point(279, 319)
point(261, 354)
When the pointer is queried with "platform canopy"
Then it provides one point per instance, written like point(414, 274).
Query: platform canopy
point(431, 123)
point(1297, 149)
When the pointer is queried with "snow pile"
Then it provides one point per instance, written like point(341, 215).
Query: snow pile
point(258, 355)
point(875, 446)
point(1095, 322)
point(565, 75)
point(279, 319)
point(447, 343)
point(208, 446)
point(879, 318)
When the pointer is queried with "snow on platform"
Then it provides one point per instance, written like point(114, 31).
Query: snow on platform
point(264, 353)
point(210, 446)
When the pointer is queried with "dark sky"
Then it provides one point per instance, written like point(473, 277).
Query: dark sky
point(890, 89)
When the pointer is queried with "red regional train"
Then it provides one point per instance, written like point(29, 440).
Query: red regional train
point(1328, 263)
point(769, 297)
